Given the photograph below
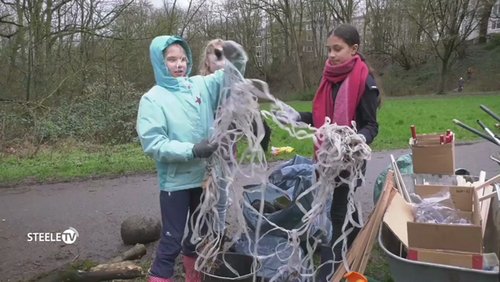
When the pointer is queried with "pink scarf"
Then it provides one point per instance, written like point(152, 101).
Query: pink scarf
point(342, 111)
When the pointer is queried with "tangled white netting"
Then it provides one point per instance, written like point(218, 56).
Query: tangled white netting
point(339, 158)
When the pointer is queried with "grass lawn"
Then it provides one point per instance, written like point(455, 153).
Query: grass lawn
point(73, 161)
point(428, 113)
point(80, 161)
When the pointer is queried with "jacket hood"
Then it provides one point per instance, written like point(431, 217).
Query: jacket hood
point(162, 74)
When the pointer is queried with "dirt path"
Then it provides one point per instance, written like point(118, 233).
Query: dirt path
point(96, 209)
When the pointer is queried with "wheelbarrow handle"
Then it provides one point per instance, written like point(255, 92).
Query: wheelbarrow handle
point(475, 131)
point(490, 133)
point(490, 112)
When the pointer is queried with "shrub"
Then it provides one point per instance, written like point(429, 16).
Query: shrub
point(493, 43)
point(105, 113)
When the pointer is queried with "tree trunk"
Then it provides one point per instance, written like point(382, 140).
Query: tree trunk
point(300, 72)
point(442, 78)
point(484, 19)
point(297, 51)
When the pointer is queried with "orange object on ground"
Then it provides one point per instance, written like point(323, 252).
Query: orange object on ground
point(355, 277)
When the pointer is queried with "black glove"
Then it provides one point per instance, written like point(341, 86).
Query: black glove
point(235, 53)
point(204, 149)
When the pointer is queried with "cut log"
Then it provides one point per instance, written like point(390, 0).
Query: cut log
point(109, 271)
point(135, 252)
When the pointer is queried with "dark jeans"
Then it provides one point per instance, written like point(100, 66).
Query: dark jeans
point(175, 208)
point(338, 214)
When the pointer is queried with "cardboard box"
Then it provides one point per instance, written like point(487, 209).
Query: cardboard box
point(460, 259)
point(453, 237)
point(432, 157)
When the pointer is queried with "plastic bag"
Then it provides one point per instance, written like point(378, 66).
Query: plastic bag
point(281, 206)
point(405, 165)
point(437, 209)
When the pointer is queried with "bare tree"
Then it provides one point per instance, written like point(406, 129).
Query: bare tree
point(321, 22)
point(485, 9)
point(43, 24)
point(8, 28)
point(395, 35)
point(247, 25)
point(192, 11)
point(343, 11)
point(289, 15)
point(446, 24)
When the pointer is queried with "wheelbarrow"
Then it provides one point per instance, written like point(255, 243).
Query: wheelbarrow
point(405, 270)
point(488, 134)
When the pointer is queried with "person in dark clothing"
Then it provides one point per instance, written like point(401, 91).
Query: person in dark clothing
point(461, 83)
point(347, 92)
point(264, 143)
point(366, 111)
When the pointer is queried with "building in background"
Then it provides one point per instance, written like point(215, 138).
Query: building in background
point(493, 24)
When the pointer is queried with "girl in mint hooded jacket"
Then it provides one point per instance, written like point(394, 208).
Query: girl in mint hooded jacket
point(174, 122)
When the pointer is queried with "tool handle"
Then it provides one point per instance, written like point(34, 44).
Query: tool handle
point(481, 124)
point(490, 133)
point(491, 113)
point(475, 131)
point(413, 133)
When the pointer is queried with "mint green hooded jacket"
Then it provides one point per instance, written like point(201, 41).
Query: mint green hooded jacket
point(174, 115)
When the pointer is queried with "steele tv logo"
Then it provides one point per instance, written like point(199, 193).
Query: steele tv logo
point(68, 236)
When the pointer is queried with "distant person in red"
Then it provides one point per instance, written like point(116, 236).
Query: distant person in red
point(469, 73)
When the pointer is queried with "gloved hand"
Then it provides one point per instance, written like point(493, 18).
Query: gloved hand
point(287, 115)
point(204, 149)
point(235, 53)
point(362, 137)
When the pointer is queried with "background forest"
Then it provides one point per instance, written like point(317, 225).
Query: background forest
point(75, 69)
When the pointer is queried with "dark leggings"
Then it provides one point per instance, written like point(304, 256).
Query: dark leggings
point(175, 208)
point(338, 214)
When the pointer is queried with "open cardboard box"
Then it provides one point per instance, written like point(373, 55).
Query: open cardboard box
point(451, 244)
point(431, 157)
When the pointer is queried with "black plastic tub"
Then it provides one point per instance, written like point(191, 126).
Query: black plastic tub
point(232, 267)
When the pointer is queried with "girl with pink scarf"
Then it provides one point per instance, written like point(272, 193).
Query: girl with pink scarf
point(347, 92)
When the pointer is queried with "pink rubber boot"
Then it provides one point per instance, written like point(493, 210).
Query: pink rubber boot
point(191, 274)
point(159, 279)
